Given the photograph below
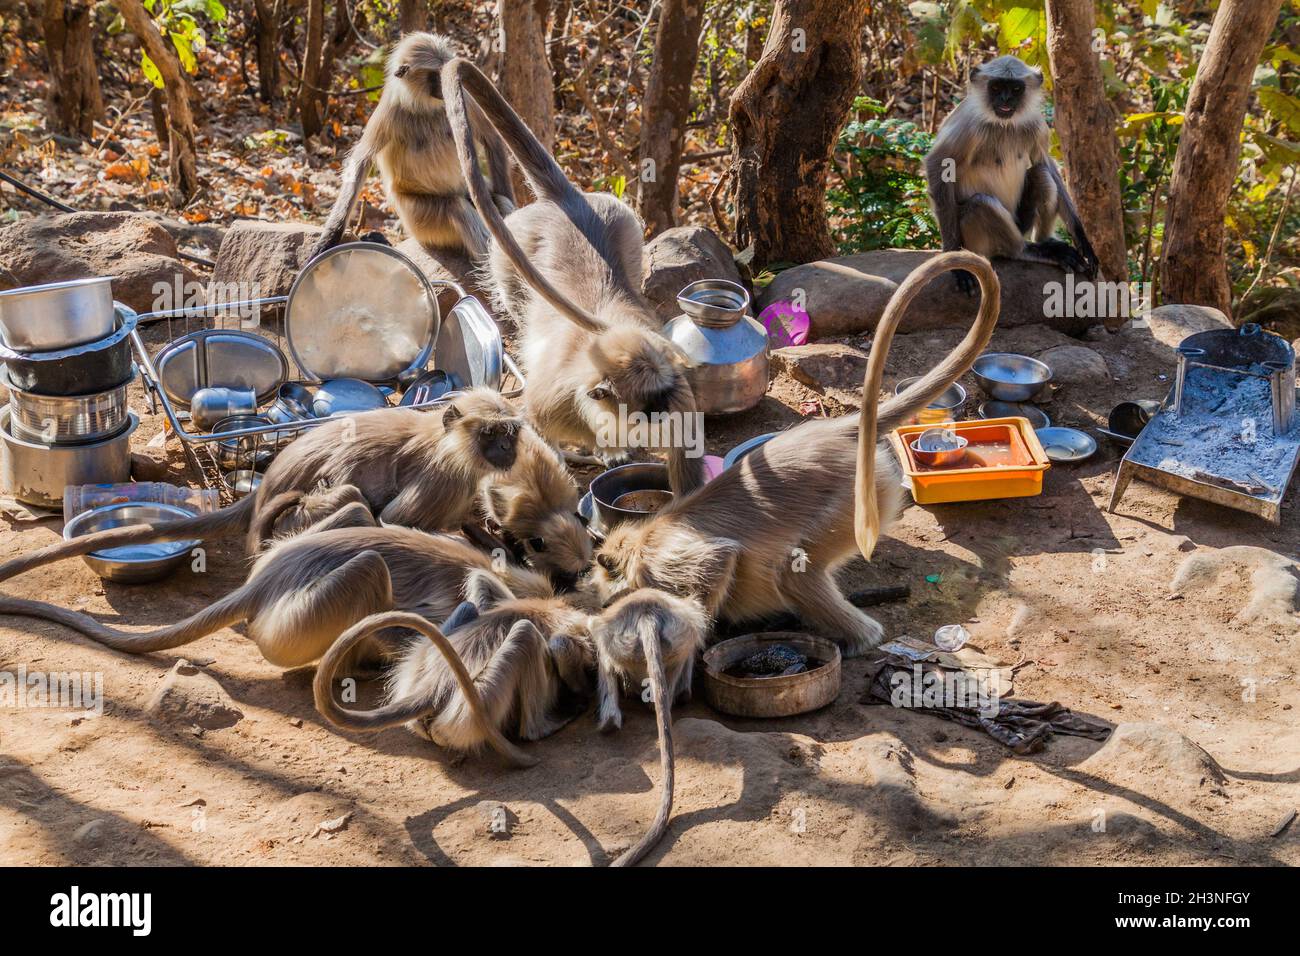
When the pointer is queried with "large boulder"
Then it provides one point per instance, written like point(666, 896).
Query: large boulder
point(138, 252)
point(1170, 324)
point(848, 295)
point(262, 258)
point(1075, 365)
point(823, 366)
point(677, 257)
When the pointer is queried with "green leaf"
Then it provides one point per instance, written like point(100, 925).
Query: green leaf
point(150, 71)
point(1281, 106)
point(185, 51)
point(1018, 25)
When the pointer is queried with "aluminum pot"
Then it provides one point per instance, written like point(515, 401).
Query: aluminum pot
point(36, 474)
point(247, 451)
point(43, 318)
point(728, 349)
point(68, 419)
point(610, 486)
point(80, 370)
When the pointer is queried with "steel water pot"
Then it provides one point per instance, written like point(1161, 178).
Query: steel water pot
point(727, 348)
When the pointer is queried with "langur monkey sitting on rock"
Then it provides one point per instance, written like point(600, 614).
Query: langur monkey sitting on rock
point(408, 138)
point(810, 494)
point(415, 468)
point(304, 591)
point(568, 268)
point(993, 183)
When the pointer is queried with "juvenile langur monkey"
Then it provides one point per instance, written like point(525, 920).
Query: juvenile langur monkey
point(993, 183)
point(652, 635)
point(520, 654)
point(408, 138)
point(568, 269)
point(415, 468)
point(767, 535)
point(304, 591)
point(536, 505)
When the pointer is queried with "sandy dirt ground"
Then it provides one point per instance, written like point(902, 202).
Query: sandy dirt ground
point(1201, 685)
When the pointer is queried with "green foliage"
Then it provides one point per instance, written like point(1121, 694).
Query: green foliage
point(880, 201)
point(178, 21)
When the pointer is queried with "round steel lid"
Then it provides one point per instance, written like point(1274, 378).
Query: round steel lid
point(360, 310)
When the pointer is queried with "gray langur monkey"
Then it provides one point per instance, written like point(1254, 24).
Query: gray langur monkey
point(653, 636)
point(994, 186)
point(304, 591)
point(411, 467)
point(568, 270)
point(821, 490)
point(408, 138)
point(498, 664)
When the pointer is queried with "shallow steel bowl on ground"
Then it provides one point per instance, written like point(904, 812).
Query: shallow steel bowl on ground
point(996, 409)
point(1011, 377)
point(134, 563)
point(1066, 444)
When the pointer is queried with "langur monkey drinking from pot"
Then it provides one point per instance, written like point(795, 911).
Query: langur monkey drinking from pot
point(767, 535)
point(993, 183)
point(408, 138)
point(568, 269)
point(304, 591)
point(410, 467)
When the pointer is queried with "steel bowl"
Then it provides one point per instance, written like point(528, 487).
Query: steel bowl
point(745, 447)
point(292, 404)
point(242, 481)
point(43, 318)
point(246, 451)
point(608, 487)
point(942, 409)
point(132, 563)
point(342, 395)
point(939, 458)
point(1010, 377)
point(36, 474)
point(995, 409)
point(771, 696)
point(68, 419)
point(1066, 444)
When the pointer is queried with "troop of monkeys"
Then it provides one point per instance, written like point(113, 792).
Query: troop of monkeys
point(353, 532)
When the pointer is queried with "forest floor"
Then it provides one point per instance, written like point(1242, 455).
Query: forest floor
point(1082, 596)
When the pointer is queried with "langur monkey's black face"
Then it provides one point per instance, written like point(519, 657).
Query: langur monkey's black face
point(1010, 88)
point(1005, 97)
point(498, 443)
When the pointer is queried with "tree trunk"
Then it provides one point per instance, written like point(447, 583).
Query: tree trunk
point(1193, 269)
point(267, 26)
point(182, 167)
point(785, 117)
point(413, 15)
point(665, 110)
point(1086, 124)
point(309, 90)
point(75, 100)
point(525, 74)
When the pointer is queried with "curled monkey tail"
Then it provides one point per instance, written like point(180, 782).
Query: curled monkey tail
point(399, 712)
point(541, 170)
point(262, 526)
point(202, 527)
point(649, 631)
point(229, 610)
point(886, 417)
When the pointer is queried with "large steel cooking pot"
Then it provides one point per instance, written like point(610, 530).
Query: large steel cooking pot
point(37, 474)
point(43, 318)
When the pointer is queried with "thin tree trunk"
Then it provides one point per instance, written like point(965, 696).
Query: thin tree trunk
point(525, 73)
point(182, 166)
point(1193, 269)
point(413, 15)
point(267, 24)
point(309, 95)
point(1086, 124)
point(665, 110)
point(75, 99)
point(785, 116)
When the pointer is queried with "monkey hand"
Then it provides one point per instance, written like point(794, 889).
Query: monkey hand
point(614, 457)
point(965, 281)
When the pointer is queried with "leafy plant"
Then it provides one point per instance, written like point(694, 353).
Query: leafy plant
point(880, 201)
point(178, 20)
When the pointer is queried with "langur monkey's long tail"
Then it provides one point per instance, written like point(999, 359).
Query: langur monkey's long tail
point(543, 173)
point(229, 610)
point(399, 712)
point(663, 720)
point(866, 513)
point(204, 527)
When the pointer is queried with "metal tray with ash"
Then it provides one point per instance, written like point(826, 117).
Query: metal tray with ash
point(1228, 434)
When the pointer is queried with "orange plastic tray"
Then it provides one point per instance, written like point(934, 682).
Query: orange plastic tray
point(1019, 476)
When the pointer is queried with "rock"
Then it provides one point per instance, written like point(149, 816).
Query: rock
point(90, 834)
point(149, 465)
point(1153, 752)
point(1170, 324)
point(1075, 365)
point(336, 825)
point(260, 258)
point(848, 294)
point(498, 821)
point(823, 365)
point(188, 697)
point(677, 257)
point(138, 252)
